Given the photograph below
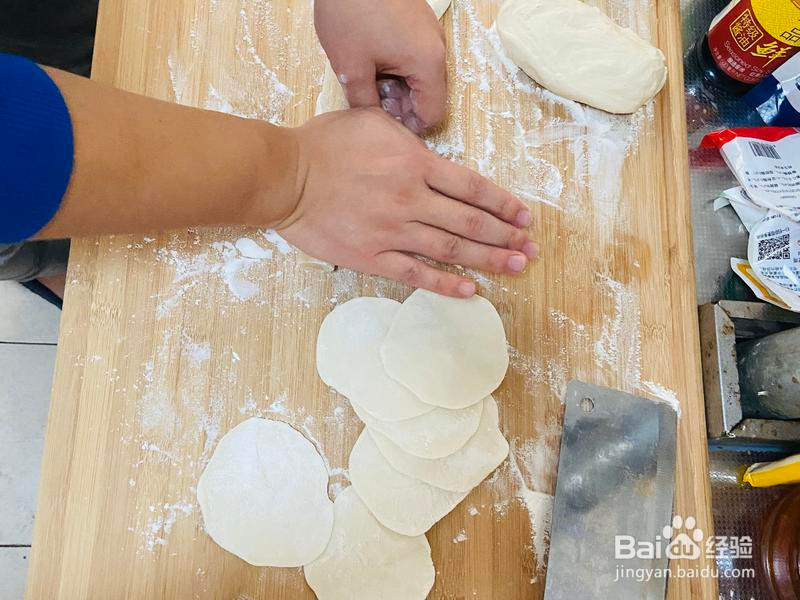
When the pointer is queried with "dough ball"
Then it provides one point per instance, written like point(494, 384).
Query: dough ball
point(348, 359)
point(264, 495)
point(366, 561)
point(578, 52)
point(449, 352)
point(434, 435)
point(459, 472)
point(401, 503)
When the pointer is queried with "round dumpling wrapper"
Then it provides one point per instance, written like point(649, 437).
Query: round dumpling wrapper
point(401, 503)
point(364, 559)
point(449, 352)
point(460, 471)
point(264, 495)
point(348, 359)
point(436, 434)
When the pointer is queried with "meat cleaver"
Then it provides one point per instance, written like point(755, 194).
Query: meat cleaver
point(616, 477)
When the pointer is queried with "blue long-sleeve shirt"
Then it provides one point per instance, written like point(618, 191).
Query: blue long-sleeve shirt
point(36, 148)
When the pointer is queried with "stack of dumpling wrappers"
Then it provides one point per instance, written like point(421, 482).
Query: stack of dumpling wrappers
point(420, 376)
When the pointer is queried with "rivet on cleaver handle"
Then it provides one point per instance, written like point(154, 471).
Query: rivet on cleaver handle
point(616, 477)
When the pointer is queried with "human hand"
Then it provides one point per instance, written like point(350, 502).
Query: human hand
point(365, 40)
point(371, 196)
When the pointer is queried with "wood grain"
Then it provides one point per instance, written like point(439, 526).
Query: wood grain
point(158, 356)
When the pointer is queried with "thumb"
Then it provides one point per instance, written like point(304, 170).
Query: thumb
point(429, 89)
point(360, 87)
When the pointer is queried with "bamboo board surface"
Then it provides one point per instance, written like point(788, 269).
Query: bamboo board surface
point(167, 341)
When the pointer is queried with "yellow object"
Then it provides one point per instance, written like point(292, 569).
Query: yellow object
point(744, 270)
point(775, 473)
point(780, 18)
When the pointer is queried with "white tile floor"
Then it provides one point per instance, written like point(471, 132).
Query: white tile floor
point(28, 336)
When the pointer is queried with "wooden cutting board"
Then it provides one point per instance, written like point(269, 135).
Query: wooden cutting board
point(167, 341)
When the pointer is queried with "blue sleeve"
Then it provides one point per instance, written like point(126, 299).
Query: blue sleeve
point(36, 148)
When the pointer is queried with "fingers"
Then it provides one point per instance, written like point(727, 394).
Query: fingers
point(407, 269)
point(466, 185)
point(428, 85)
point(473, 223)
point(396, 101)
point(360, 87)
point(454, 249)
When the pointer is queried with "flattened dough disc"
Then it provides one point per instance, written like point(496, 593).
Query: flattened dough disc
point(366, 561)
point(264, 495)
point(449, 352)
point(461, 471)
point(348, 359)
point(434, 435)
point(402, 503)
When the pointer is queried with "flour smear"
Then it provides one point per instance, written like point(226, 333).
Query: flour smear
point(233, 268)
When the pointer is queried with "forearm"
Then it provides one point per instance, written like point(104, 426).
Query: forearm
point(146, 165)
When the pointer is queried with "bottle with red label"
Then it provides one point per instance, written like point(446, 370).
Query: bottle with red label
point(747, 41)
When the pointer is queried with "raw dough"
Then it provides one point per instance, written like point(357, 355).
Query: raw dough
point(434, 435)
point(402, 503)
point(578, 52)
point(264, 495)
point(439, 7)
point(449, 352)
point(348, 359)
point(366, 561)
point(459, 472)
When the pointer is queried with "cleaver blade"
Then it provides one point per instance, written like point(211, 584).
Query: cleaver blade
point(616, 477)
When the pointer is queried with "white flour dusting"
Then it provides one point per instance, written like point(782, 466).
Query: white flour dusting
point(160, 523)
point(540, 509)
point(274, 238)
point(538, 456)
point(254, 57)
point(510, 483)
point(234, 270)
point(619, 347)
point(534, 371)
point(250, 249)
point(461, 536)
point(599, 142)
point(231, 268)
point(663, 394)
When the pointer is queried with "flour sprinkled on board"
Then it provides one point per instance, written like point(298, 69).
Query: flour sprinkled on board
point(233, 269)
point(664, 395)
point(160, 524)
point(514, 481)
point(177, 432)
point(620, 345)
point(230, 261)
point(540, 509)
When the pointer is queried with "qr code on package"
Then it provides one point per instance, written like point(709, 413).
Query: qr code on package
point(776, 248)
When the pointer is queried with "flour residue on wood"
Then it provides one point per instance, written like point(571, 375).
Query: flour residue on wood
point(511, 138)
point(528, 478)
point(176, 432)
point(619, 347)
point(598, 143)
